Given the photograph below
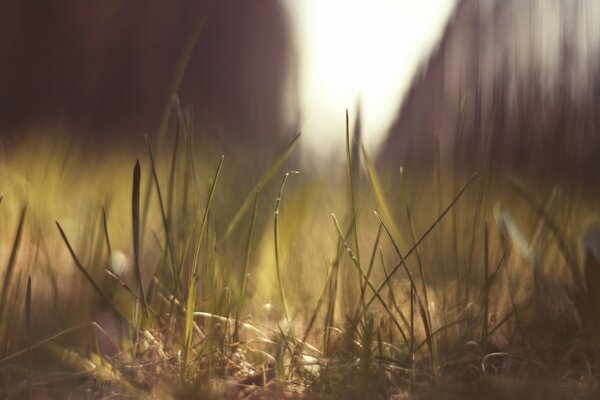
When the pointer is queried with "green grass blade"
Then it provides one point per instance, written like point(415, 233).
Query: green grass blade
point(423, 236)
point(193, 281)
point(165, 220)
point(423, 307)
point(242, 295)
point(28, 336)
point(259, 186)
point(486, 288)
point(86, 274)
point(277, 250)
point(413, 234)
point(10, 266)
point(380, 199)
point(350, 181)
point(135, 218)
point(106, 235)
point(179, 73)
point(370, 284)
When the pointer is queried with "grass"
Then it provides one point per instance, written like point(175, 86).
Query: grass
point(428, 284)
point(431, 295)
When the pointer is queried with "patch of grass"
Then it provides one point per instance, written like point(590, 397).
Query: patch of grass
point(220, 299)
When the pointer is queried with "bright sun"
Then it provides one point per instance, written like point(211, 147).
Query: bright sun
point(367, 49)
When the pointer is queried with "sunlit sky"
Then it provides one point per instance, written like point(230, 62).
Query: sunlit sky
point(367, 49)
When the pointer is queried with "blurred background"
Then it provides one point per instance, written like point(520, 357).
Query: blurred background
point(517, 77)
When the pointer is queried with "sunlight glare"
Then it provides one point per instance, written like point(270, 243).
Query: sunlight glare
point(359, 50)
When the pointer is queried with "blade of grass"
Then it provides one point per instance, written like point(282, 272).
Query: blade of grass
point(87, 275)
point(259, 186)
point(370, 284)
point(562, 243)
point(410, 324)
point(179, 73)
point(242, 294)
point(439, 234)
point(422, 307)
point(423, 236)
point(380, 199)
point(10, 266)
point(350, 177)
point(165, 220)
point(413, 234)
point(486, 288)
point(363, 287)
point(174, 86)
point(28, 337)
point(56, 336)
point(193, 281)
point(331, 291)
point(106, 236)
point(135, 218)
point(277, 249)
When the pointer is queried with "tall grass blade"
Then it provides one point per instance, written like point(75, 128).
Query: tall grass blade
point(106, 236)
point(413, 234)
point(363, 287)
point(193, 279)
point(380, 198)
point(372, 287)
point(423, 308)
point(486, 288)
point(242, 296)
point(259, 186)
point(277, 249)
point(331, 291)
point(10, 266)
point(350, 175)
point(423, 236)
point(28, 337)
point(165, 220)
point(179, 73)
point(86, 274)
point(135, 218)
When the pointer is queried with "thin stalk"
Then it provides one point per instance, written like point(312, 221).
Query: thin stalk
point(28, 337)
point(363, 287)
point(349, 178)
point(422, 307)
point(413, 234)
point(135, 218)
point(423, 236)
point(245, 271)
point(370, 284)
point(277, 250)
point(259, 186)
point(165, 219)
point(486, 289)
point(193, 281)
point(10, 266)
